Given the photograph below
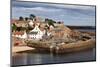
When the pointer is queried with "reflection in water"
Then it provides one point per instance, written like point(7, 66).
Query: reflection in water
point(26, 58)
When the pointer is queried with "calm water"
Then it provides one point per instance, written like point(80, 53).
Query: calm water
point(90, 30)
point(46, 58)
point(27, 58)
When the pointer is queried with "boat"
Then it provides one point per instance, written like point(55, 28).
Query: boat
point(63, 48)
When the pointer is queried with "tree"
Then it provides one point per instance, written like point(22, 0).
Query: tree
point(26, 18)
point(32, 16)
point(46, 19)
point(53, 21)
point(50, 23)
point(21, 18)
point(14, 27)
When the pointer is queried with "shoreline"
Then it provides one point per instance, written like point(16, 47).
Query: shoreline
point(16, 49)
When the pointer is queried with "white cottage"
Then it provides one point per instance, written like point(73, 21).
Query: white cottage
point(36, 33)
point(21, 34)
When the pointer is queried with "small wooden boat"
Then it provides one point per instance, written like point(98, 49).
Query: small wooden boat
point(62, 48)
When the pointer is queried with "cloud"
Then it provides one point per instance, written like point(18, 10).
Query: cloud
point(43, 9)
point(51, 5)
point(82, 7)
point(68, 13)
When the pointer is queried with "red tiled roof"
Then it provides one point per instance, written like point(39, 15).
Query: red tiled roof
point(18, 33)
point(13, 21)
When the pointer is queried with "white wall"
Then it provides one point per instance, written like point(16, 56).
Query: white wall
point(5, 33)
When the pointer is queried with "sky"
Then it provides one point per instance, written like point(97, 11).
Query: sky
point(69, 14)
